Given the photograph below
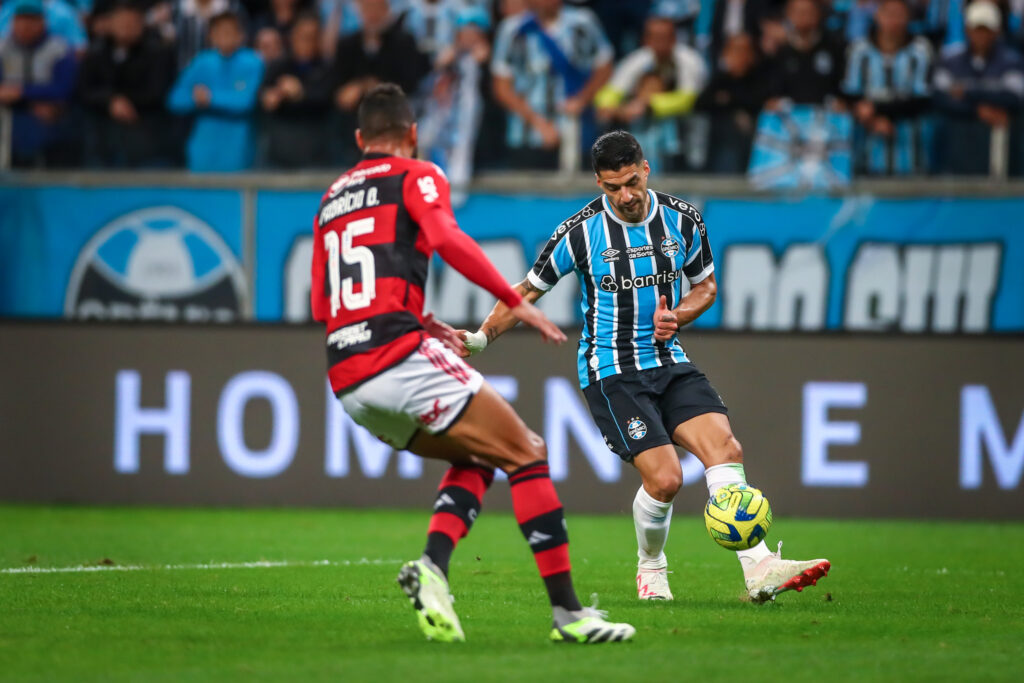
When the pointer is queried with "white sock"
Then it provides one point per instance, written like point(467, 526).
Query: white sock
point(723, 475)
point(651, 518)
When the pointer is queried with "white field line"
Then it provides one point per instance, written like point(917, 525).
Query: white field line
point(261, 564)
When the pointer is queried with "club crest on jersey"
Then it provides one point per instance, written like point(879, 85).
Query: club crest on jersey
point(669, 247)
point(636, 428)
point(610, 255)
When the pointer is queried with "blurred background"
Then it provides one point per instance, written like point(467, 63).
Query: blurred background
point(856, 162)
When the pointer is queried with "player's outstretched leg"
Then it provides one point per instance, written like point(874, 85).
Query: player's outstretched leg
point(766, 573)
point(542, 522)
point(425, 581)
point(710, 438)
point(491, 431)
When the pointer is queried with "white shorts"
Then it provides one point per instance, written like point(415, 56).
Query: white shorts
point(428, 390)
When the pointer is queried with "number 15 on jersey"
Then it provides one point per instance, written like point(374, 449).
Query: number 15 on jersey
point(341, 249)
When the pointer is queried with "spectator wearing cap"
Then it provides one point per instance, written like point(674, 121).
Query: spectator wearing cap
point(61, 21)
point(809, 68)
point(123, 83)
point(652, 88)
point(219, 90)
point(977, 90)
point(548, 65)
point(887, 84)
point(37, 80)
point(295, 98)
point(453, 112)
point(732, 100)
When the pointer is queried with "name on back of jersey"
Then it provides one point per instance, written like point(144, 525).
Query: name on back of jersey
point(347, 203)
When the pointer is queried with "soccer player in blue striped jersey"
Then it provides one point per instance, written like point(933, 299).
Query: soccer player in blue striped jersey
point(631, 248)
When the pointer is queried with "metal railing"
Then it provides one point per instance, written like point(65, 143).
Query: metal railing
point(568, 175)
point(6, 138)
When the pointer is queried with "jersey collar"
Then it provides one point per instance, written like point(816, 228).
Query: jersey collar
point(650, 214)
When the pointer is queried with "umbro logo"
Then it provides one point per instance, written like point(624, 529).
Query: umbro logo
point(538, 537)
point(610, 255)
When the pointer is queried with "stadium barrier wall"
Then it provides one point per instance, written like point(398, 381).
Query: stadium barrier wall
point(832, 425)
point(897, 257)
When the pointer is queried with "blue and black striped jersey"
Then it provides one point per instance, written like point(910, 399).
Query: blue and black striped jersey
point(623, 269)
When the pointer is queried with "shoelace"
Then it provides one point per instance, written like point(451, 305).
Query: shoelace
point(778, 551)
point(593, 611)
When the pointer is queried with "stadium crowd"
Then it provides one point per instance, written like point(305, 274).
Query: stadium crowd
point(228, 85)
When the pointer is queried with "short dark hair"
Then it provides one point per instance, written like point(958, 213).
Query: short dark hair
point(384, 111)
point(615, 150)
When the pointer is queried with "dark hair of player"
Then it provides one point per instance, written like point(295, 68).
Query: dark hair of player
point(615, 150)
point(384, 111)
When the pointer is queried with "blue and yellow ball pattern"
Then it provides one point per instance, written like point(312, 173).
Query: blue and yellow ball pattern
point(738, 517)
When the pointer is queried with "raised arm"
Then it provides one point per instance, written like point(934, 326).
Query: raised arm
point(426, 197)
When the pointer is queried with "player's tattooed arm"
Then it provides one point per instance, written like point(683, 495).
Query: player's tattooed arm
point(500, 320)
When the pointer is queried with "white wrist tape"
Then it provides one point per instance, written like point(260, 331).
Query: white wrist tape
point(475, 342)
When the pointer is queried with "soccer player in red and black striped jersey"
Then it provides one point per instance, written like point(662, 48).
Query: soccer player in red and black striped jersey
point(396, 374)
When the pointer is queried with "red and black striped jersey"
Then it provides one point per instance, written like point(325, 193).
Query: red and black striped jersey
point(374, 234)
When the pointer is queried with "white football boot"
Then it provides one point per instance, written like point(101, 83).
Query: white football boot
point(427, 589)
point(652, 584)
point(774, 575)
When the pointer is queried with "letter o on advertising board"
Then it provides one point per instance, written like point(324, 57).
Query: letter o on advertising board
point(284, 410)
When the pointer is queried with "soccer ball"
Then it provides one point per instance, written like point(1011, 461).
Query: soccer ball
point(738, 517)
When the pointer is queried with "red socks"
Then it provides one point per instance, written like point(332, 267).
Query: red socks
point(455, 509)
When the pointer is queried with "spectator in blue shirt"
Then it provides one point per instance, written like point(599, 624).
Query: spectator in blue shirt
point(219, 88)
point(37, 79)
point(61, 21)
point(548, 65)
point(887, 85)
point(977, 90)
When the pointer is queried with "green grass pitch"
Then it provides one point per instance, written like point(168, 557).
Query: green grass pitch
point(905, 601)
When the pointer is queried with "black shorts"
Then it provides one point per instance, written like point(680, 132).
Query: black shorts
point(640, 410)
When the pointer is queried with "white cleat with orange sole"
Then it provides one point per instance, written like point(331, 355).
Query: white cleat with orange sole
point(774, 575)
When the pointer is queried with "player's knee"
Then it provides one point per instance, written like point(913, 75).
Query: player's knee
point(666, 484)
point(530, 449)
